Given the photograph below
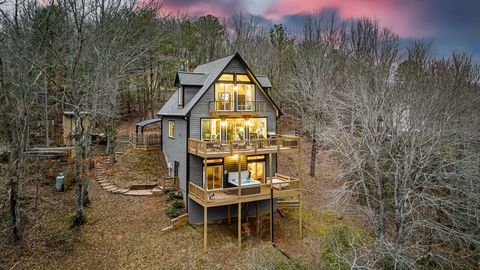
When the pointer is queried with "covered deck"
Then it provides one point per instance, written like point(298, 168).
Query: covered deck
point(281, 186)
point(211, 149)
point(146, 141)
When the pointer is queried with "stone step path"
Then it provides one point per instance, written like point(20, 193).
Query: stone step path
point(102, 180)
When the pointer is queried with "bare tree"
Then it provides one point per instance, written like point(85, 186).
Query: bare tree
point(19, 85)
point(316, 74)
point(412, 158)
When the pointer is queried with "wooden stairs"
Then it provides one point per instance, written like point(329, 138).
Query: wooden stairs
point(176, 223)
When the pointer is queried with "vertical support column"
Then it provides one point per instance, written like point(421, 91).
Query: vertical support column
point(271, 194)
point(239, 217)
point(205, 225)
point(299, 176)
point(239, 225)
point(258, 218)
point(205, 181)
point(239, 176)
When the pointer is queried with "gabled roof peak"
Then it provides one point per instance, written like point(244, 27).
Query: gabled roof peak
point(204, 75)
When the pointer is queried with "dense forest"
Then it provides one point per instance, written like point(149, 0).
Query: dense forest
point(402, 123)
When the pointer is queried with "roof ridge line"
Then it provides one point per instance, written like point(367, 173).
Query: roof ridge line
point(202, 73)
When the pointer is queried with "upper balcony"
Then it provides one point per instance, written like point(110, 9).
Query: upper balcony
point(210, 149)
point(238, 108)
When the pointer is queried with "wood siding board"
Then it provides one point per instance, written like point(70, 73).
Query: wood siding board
point(175, 149)
point(189, 92)
point(235, 66)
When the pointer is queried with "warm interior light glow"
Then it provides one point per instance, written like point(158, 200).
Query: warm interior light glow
point(223, 123)
point(235, 87)
point(235, 157)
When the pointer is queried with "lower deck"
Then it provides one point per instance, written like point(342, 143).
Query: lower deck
point(275, 187)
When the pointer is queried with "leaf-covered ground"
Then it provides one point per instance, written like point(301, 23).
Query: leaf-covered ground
point(138, 167)
point(125, 232)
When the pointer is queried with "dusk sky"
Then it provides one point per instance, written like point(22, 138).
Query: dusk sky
point(448, 23)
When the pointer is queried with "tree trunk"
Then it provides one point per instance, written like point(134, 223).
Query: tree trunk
point(313, 158)
point(14, 209)
point(79, 201)
point(79, 214)
point(85, 169)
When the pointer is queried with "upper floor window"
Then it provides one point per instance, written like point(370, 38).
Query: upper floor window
point(171, 129)
point(180, 96)
point(224, 96)
point(234, 92)
point(225, 77)
point(243, 78)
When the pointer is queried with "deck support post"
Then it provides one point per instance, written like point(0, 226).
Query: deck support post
point(205, 180)
point(271, 195)
point(205, 225)
point(239, 217)
point(239, 176)
point(205, 174)
point(239, 225)
point(299, 174)
point(258, 219)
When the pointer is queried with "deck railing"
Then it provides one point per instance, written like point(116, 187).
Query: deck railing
point(274, 144)
point(281, 186)
point(149, 140)
point(236, 107)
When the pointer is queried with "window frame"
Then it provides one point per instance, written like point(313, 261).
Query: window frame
point(171, 129)
point(215, 162)
point(259, 159)
point(211, 120)
point(181, 94)
point(266, 128)
point(235, 84)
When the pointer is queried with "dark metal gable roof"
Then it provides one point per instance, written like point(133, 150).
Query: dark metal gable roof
point(190, 78)
point(264, 81)
point(211, 70)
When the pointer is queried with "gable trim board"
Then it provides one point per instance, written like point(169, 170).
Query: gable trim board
point(210, 80)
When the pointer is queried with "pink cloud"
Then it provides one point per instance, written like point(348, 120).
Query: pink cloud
point(400, 16)
point(197, 10)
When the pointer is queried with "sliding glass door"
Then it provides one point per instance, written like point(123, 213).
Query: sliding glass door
point(245, 97)
point(214, 176)
point(235, 129)
point(256, 167)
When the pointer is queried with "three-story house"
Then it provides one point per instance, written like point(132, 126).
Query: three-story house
point(220, 138)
